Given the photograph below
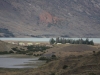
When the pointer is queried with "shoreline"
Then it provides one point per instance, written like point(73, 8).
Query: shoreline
point(18, 56)
point(31, 61)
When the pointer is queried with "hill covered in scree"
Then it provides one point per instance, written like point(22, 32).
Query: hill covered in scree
point(47, 18)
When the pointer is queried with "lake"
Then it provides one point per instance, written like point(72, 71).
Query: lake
point(96, 40)
point(6, 61)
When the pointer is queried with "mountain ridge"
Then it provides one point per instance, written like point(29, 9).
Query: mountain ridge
point(31, 18)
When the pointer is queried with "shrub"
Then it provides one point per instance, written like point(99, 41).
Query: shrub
point(93, 52)
point(42, 58)
point(38, 54)
point(11, 52)
point(48, 60)
point(15, 49)
point(98, 53)
point(80, 56)
point(52, 74)
point(92, 74)
point(53, 56)
point(34, 55)
point(65, 66)
point(29, 53)
point(4, 52)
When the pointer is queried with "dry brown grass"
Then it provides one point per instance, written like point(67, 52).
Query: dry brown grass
point(79, 62)
point(66, 50)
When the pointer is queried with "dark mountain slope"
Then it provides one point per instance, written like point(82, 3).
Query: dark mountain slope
point(71, 18)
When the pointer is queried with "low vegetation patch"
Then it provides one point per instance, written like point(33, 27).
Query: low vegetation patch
point(43, 58)
point(92, 74)
point(53, 73)
point(65, 66)
point(96, 53)
point(48, 59)
point(30, 50)
point(6, 52)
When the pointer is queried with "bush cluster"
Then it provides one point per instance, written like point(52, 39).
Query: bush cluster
point(30, 50)
point(92, 74)
point(6, 52)
point(48, 59)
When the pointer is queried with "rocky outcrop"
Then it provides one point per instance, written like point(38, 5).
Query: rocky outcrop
point(47, 18)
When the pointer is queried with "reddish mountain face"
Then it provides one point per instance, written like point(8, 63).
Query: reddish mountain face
point(46, 17)
point(49, 18)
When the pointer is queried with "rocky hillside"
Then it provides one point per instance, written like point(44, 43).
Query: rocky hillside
point(4, 46)
point(46, 18)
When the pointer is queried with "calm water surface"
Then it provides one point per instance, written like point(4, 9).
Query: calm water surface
point(10, 62)
point(96, 40)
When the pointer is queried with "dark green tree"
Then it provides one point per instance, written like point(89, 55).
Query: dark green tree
point(63, 41)
point(52, 41)
point(60, 40)
point(76, 42)
point(87, 41)
point(91, 42)
point(68, 41)
point(57, 40)
point(81, 41)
